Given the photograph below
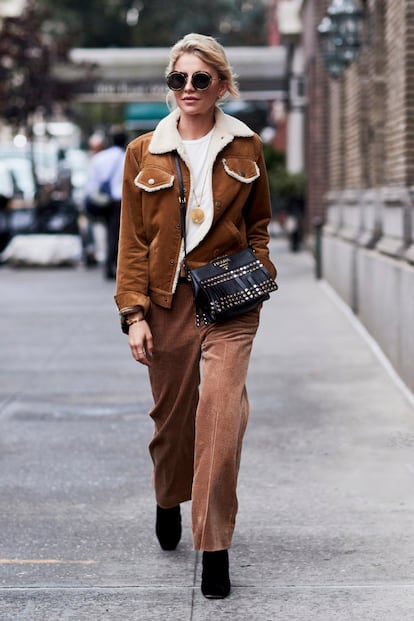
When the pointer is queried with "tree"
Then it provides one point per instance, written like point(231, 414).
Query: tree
point(29, 86)
point(151, 23)
point(28, 54)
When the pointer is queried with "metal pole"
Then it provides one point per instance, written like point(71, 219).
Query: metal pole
point(318, 224)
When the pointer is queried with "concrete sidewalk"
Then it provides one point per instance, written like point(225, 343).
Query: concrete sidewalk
point(325, 529)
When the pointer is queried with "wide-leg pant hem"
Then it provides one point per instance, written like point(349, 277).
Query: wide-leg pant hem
point(172, 501)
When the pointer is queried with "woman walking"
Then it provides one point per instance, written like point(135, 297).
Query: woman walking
point(197, 373)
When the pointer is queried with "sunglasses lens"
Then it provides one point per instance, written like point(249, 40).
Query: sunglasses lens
point(176, 81)
point(201, 80)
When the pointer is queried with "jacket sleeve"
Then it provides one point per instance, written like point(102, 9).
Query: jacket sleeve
point(132, 266)
point(258, 215)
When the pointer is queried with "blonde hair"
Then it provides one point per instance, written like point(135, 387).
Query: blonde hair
point(211, 52)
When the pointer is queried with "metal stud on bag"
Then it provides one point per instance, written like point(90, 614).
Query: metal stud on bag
point(221, 295)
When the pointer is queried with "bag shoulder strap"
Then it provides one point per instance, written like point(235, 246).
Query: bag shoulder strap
point(183, 207)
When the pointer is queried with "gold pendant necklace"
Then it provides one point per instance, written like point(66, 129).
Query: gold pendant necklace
point(197, 215)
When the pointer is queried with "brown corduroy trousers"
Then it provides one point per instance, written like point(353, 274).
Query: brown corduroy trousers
point(200, 414)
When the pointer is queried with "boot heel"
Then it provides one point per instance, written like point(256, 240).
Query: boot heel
point(215, 580)
point(168, 527)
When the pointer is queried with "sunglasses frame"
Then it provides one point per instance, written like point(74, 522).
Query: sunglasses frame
point(186, 77)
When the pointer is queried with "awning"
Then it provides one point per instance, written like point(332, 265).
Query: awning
point(143, 115)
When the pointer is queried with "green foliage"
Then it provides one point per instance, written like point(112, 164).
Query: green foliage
point(274, 159)
point(27, 56)
point(287, 185)
point(151, 23)
point(282, 183)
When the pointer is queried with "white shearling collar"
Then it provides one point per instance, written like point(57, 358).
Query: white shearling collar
point(166, 137)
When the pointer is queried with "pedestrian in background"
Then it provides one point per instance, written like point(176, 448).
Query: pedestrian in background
point(198, 427)
point(106, 166)
point(96, 142)
point(93, 241)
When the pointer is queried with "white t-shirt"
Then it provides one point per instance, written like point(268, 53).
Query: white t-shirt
point(201, 193)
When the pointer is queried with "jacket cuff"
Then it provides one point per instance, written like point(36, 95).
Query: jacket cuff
point(128, 303)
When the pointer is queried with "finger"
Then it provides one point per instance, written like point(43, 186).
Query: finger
point(149, 346)
point(140, 355)
point(138, 352)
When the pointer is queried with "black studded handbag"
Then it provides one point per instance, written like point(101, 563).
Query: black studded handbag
point(228, 286)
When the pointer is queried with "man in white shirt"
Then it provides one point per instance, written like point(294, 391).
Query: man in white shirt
point(108, 165)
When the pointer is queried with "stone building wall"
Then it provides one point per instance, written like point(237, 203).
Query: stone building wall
point(368, 247)
point(317, 115)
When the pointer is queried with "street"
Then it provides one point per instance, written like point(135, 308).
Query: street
point(326, 490)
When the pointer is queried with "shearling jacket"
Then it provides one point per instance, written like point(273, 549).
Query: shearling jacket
point(150, 245)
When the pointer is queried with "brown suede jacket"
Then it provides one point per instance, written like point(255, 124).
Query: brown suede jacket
point(150, 243)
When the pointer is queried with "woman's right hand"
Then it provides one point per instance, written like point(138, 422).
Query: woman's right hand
point(140, 342)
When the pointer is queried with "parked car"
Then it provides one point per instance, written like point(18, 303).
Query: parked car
point(6, 193)
point(24, 187)
point(17, 214)
point(6, 185)
point(44, 156)
point(18, 193)
point(50, 204)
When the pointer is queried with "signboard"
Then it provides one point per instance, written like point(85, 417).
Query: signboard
point(137, 74)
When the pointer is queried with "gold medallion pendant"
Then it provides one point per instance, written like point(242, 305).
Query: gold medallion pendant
point(197, 215)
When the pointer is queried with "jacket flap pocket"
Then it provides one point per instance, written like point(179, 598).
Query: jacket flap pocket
point(153, 179)
point(243, 170)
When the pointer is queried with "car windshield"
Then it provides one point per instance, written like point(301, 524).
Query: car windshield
point(45, 158)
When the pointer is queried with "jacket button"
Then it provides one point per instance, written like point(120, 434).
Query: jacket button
point(218, 204)
point(242, 174)
point(171, 261)
point(151, 181)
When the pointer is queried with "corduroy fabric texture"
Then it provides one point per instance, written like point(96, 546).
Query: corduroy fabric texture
point(200, 414)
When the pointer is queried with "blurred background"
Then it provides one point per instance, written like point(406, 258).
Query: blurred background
point(70, 70)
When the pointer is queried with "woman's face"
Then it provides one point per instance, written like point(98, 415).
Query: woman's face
point(194, 102)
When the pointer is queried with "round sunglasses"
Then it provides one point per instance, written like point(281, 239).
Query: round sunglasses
point(201, 80)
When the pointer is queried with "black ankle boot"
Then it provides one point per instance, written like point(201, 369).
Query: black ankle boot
point(168, 527)
point(215, 581)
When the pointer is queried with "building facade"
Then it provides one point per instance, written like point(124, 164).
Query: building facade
point(360, 165)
